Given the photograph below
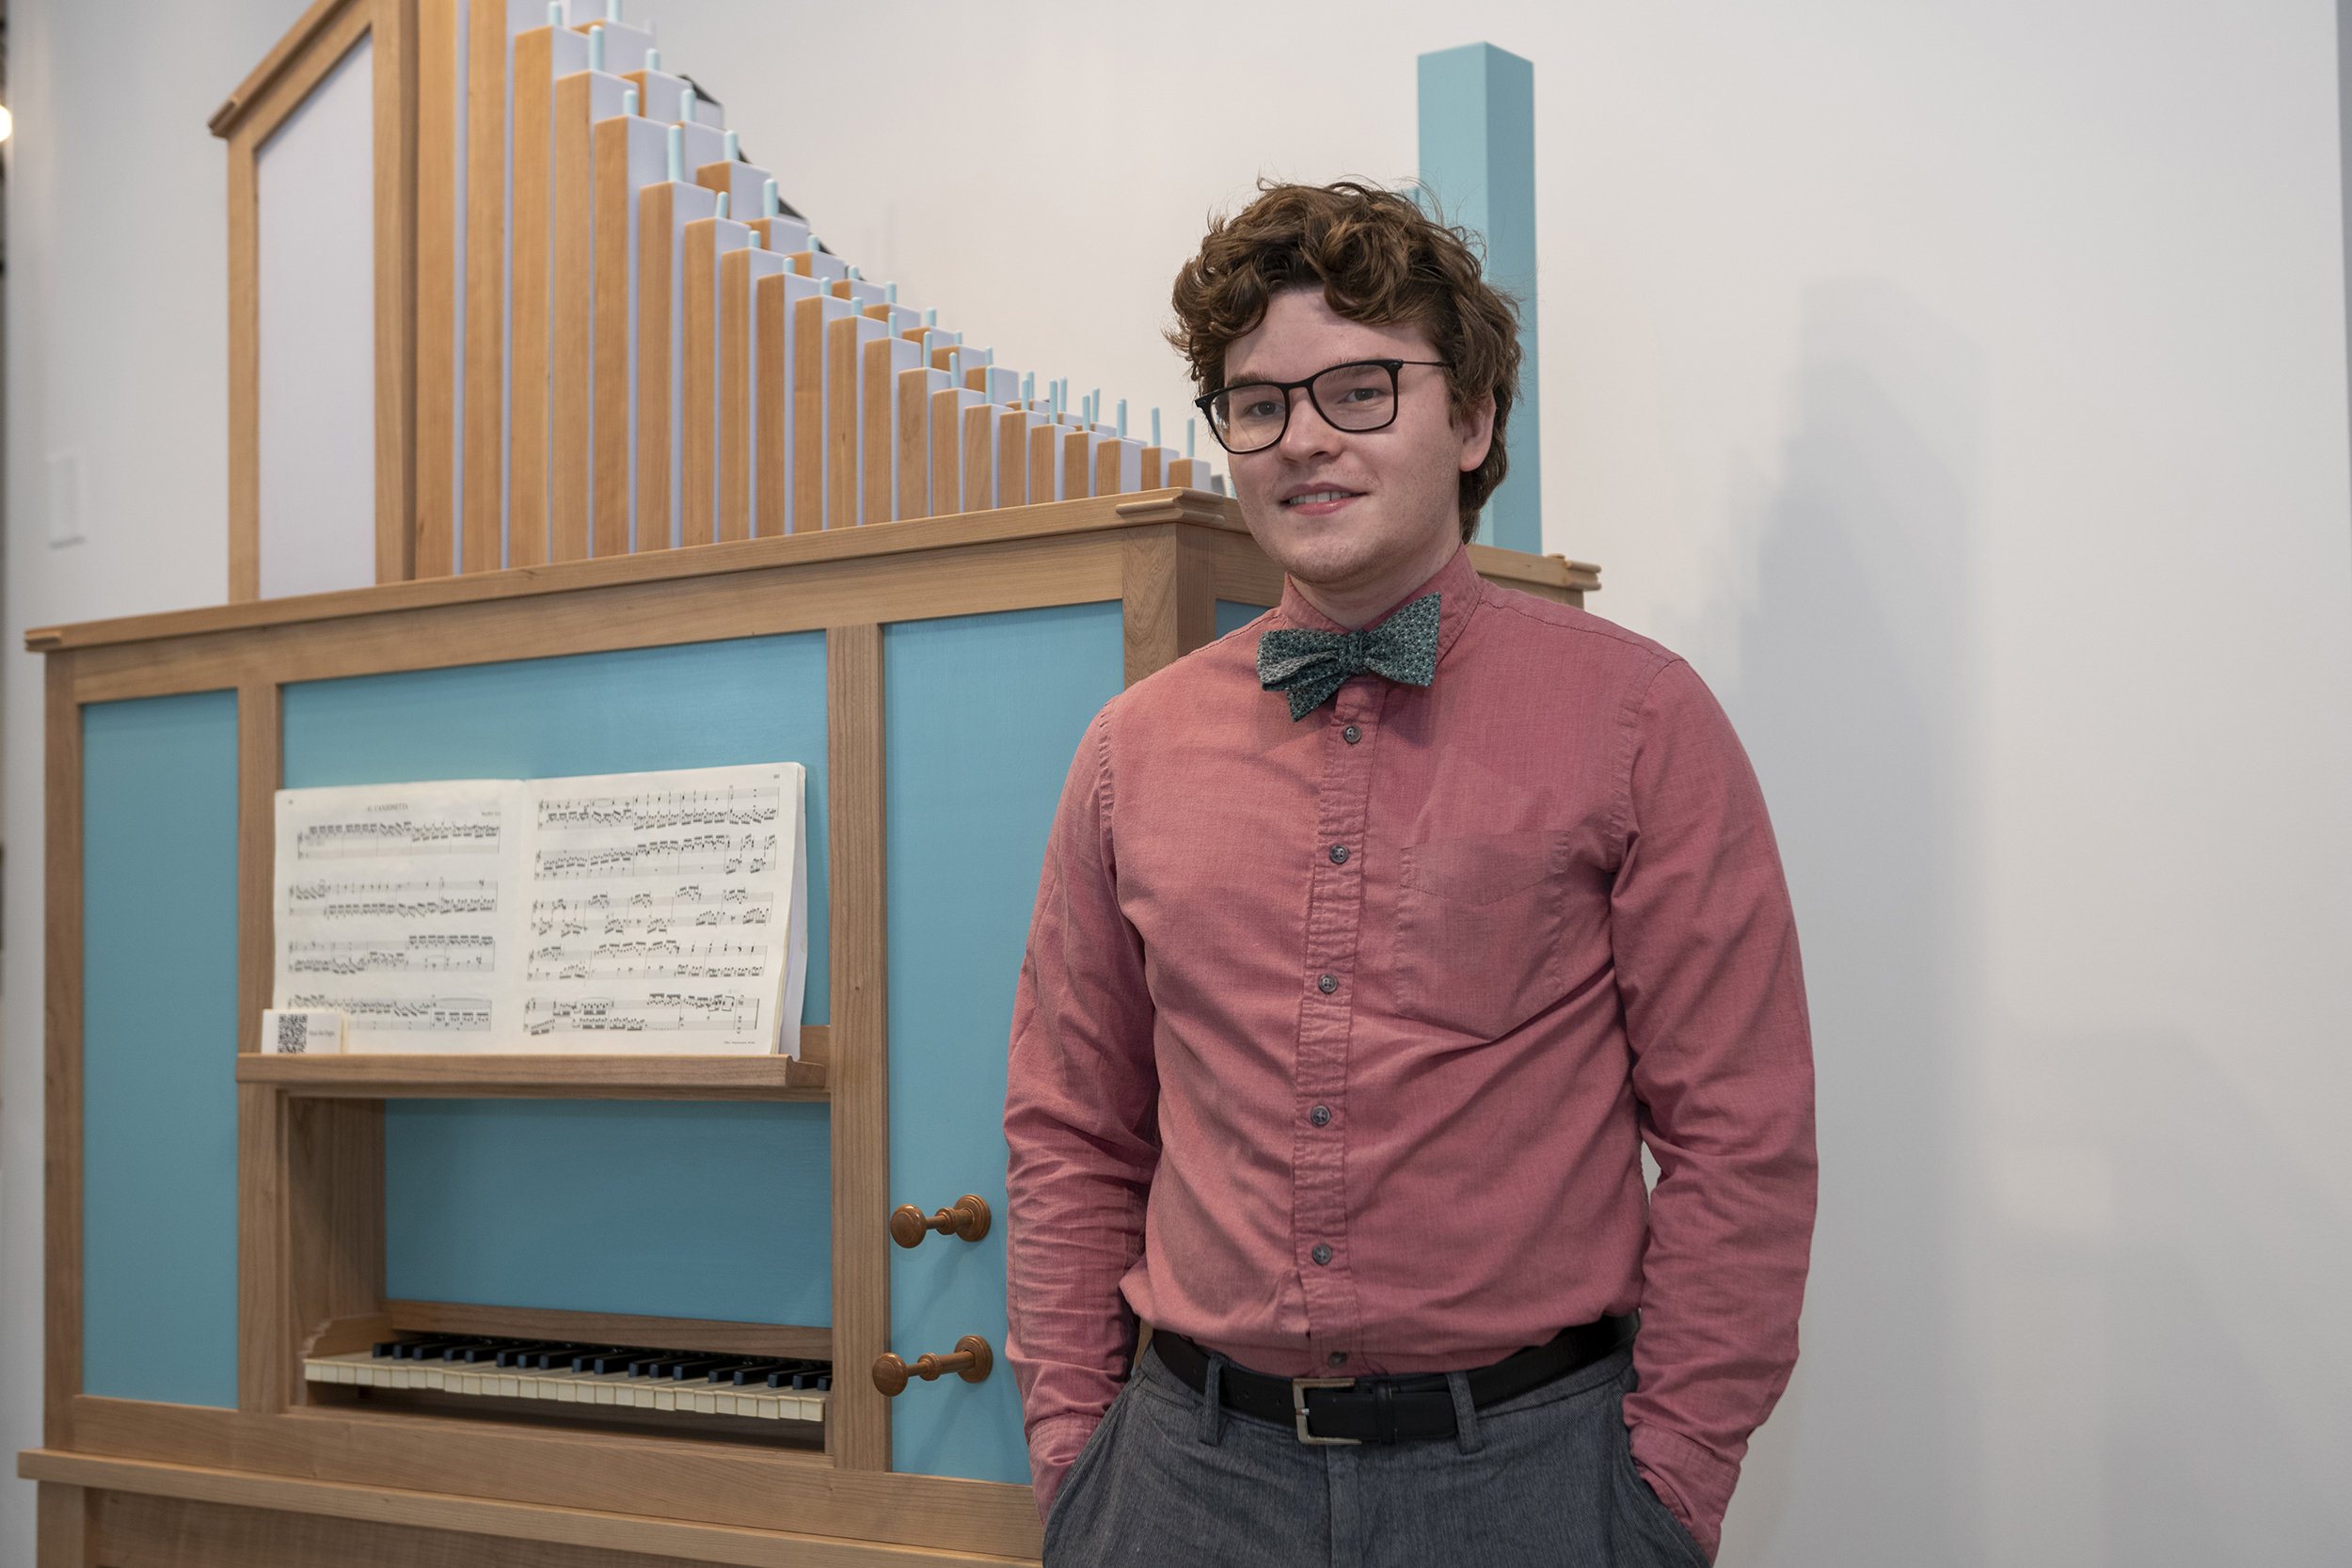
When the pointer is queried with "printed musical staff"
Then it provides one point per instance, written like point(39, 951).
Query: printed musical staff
point(442, 953)
point(417, 899)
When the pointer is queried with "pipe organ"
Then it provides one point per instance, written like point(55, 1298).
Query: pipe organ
point(616, 468)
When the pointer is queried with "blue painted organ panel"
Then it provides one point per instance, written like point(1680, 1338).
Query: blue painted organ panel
point(159, 1041)
point(984, 714)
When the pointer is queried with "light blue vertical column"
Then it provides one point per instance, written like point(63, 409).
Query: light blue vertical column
point(1478, 160)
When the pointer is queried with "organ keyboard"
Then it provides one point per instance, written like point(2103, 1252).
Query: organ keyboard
point(617, 1377)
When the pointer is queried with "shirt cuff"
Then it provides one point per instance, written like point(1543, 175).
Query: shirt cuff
point(1054, 1447)
point(1695, 1486)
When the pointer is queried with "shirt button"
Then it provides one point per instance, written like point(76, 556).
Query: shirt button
point(1338, 854)
point(1320, 1116)
point(1337, 1359)
point(1329, 984)
point(1351, 735)
point(1321, 1253)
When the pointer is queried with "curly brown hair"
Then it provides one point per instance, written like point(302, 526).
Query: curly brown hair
point(1380, 258)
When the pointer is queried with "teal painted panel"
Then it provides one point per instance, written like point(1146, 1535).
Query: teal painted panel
point(159, 1042)
point(1478, 160)
point(984, 713)
point(1232, 617)
point(559, 1203)
point(672, 1209)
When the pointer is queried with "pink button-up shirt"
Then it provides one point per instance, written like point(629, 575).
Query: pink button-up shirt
point(1337, 1041)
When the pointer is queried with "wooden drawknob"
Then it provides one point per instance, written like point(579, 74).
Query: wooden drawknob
point(972, 1360)
point(967, 1219)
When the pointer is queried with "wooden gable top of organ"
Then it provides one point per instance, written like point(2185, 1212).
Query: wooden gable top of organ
point(301, 44)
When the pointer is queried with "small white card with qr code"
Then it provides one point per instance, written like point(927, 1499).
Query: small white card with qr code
point(301, 1034)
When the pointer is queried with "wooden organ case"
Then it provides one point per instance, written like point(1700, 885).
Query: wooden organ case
point(224, 1228)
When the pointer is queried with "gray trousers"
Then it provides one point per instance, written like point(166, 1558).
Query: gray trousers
point(1547, 1477)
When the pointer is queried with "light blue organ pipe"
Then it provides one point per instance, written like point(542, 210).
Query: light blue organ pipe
point(955, 368)
point(1122, 418)
point(555, 13)
point(612, 11)
point(686, 105)
point(628, 102)
point(1155, 427)
point(930, 318)
point(595, 47)
point(769, 205)
point(734, 146)
point(1188, 430)
point(723, 204)
point(759, 241)
point(1028, 389)
point(856, 276)
point(653, 60)
point(677, 155)
point(890, 293)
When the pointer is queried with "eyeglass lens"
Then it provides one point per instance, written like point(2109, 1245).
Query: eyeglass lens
point(1352, 397)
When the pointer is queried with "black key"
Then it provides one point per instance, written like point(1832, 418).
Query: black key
point(682, 1370)
point(519, 1355)
point(468, 1350)
point(658, 1363)
point(748, 1371)
point(615, 1358)
point(825, 1384)
point(423, 1350)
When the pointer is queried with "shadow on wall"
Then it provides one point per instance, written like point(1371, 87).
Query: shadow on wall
point(1852, 698)
point(2166, 1349)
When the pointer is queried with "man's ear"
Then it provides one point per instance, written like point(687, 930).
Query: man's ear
point(1476, 427)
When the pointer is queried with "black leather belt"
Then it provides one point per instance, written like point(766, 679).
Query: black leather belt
point(1404, 1409)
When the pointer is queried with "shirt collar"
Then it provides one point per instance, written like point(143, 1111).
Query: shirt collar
point(1458, 585)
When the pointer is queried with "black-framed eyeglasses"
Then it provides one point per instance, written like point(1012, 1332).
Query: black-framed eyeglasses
point(1355, 397)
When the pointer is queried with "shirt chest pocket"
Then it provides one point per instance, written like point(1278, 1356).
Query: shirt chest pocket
point(1479, 930)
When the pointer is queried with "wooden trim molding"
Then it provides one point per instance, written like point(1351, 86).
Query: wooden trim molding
point(877, 543)
point(744, 1485)
point(393, 1076)
point(861, 1042)
point(61, 1250)
point(283, 55)
point(581, 1527)
point(395, 62)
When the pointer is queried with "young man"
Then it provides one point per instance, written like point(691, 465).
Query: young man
point(1373, 941)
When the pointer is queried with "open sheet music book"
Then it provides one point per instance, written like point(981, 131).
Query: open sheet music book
point(655, 914)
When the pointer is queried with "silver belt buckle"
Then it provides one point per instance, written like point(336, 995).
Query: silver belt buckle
point(1298, 1406)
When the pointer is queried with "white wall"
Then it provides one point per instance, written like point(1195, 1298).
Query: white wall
point(1960, 385)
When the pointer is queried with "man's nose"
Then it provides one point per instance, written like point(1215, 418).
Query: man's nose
point(1307, 434)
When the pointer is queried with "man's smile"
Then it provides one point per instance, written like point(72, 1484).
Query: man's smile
point(1318, 501)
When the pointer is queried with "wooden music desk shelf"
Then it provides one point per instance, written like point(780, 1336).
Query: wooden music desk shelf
point(531, 1077)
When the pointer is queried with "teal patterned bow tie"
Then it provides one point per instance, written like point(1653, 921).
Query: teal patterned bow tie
point(1308, 666)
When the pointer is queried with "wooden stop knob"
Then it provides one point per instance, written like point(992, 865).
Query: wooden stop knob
point(968, 1219)
point(971, 1360)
